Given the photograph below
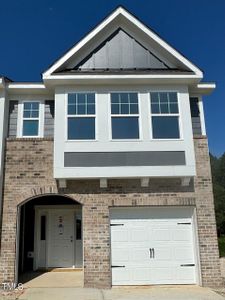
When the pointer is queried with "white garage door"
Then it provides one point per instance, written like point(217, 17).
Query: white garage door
point(152, 246)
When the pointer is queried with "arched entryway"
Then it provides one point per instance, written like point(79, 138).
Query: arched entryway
point(49, 235)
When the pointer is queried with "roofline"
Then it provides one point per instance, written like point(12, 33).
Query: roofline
point(96, 29)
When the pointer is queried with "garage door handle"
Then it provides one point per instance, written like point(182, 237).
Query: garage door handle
point(188, 265)
point(151, 253)
point(117, 266)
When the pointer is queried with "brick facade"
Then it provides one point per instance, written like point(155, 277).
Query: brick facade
point(29, 173)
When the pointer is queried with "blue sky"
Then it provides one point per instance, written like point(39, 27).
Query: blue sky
point(35, 33)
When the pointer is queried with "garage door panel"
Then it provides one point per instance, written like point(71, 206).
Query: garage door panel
point(139, 235)
point(141, 275)
point(120, 255)
point(184, 234)
point(163, 253)
point(121, 276)
point(184, 253)
point(186, 274)
point(140, 255)
point(119, 235)
point(162, 274)
point(161, 234)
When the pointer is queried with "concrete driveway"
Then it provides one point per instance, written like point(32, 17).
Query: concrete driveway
point(146, 293)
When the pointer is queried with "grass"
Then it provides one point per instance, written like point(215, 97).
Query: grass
point(221, 241)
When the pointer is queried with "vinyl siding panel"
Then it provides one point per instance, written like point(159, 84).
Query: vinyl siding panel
point(13, 116)
point(49, 118)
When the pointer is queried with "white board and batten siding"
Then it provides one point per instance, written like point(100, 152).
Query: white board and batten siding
point(153, 246)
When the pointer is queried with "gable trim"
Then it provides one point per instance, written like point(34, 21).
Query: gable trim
point(136, 22)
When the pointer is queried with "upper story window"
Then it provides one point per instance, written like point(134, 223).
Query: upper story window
point(165, 115)
point(81, 116)
point(124, 116)
point(31, 119)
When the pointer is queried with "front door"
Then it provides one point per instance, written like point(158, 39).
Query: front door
point(61, 238)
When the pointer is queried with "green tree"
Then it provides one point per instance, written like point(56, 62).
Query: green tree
point(218, 176)
point(221, 171)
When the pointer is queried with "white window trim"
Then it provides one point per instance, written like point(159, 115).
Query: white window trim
point(124, 115)
point(179, 115)
point(40, 119)
point(80, 116)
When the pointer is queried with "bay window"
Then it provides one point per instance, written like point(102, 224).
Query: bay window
point(165, 115)
point(124, 115)
point(81, 116)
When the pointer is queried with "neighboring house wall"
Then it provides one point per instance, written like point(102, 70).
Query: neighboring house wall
point(24, 181)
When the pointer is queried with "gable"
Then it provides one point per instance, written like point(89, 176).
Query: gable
point(120, 51)
point(122, 42)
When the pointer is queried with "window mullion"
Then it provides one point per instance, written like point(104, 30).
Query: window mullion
point(119, 104)
point(129, 104)
point(85, 103)
point(76, 103)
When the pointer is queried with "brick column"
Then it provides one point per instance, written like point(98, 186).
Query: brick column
point(96, 231)
point(208, 244)
point(8, 244)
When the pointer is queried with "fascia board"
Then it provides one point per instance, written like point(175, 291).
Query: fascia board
point(107, 76)
point(51, 83)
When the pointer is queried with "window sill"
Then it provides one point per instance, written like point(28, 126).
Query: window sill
point(125, 140)
point(72, 141)
point(166, 140)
